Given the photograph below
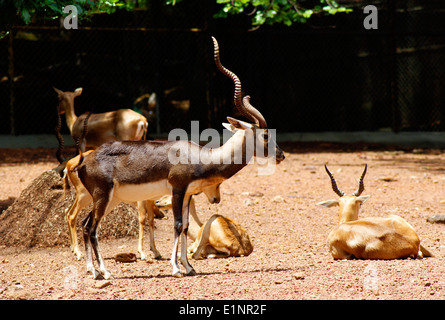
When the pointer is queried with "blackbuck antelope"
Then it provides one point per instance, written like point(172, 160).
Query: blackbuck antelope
point(122, 124)
point(388, 237)
point(146, 210)
point(219, 237)
point(147, 170)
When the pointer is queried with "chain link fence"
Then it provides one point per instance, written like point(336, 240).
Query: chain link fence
point(329, 74)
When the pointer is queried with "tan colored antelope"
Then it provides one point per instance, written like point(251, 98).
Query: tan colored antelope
point(128, 171)
point(146, 210)
point(122, 124)
point(390, 237)
point(219, 237)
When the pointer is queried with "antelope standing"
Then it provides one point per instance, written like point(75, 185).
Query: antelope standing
point(146, 210)
point(147, 170)
point(390, 237)
point(122, 124)
point(219, 237)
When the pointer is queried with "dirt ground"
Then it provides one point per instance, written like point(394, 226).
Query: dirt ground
point(290, 258)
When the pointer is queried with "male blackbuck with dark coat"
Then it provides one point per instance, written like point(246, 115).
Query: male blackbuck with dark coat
point(388, 237)
point(146, 210)
point(122, 124)
point(147, 170)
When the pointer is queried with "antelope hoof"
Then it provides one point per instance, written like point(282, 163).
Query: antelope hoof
point(157, 255)
point(191, 273)
point(96, 274)
point(196, 256)
point(77, 253)
point(177, 274)
point(107, 275)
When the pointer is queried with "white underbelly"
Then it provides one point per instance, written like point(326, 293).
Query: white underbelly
point(143, 191)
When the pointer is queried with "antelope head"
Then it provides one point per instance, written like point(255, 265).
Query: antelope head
point(264, 145)
point(66, 99)
point(349, 205)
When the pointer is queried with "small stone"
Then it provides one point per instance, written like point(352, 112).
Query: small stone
point(125, 257)
point(102, 284)
point(249, 202)
point(299, 276)
point(438, 218)
point(278, 199)
point(387, 179)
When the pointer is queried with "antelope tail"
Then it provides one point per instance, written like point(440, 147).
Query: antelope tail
point(81, 138)
point(59, 151)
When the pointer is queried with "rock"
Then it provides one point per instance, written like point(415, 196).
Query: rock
point(438, 218)
point(250, 202)
point(18, 292)
point(299, 276)
point(256, 194)
point(125, 257)
point(102, 284)
point(252, 194)
point(278, 199)
point(387, 179)
point(37, 216)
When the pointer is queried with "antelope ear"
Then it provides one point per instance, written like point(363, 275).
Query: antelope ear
point(77, 92)
point(229, 127)
point(239, 124)
point(328, 203)
point(59, 92)
point(165, 201)
point(362, 199)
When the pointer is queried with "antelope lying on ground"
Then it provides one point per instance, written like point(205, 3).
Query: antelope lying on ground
point(219, 237)
point(147, 170)
point(122, 124)
point(390, 237)
point(146, 210)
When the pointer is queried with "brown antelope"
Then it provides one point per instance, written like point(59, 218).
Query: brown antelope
point(147, 170)
point(219, 237)
point(146, 210)
point(390, 237)
point(122, 124)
